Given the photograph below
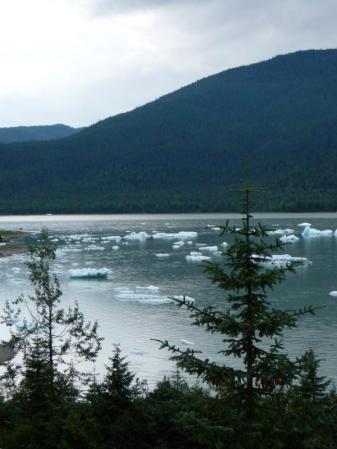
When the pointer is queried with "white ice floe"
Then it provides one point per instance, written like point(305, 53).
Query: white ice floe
point(190, 242)
point(137, 236)
point(176, 247)
point(182, 235)
point(289, 238)
point(94, 248)
point(333, 293)
point(90, 239)
point(151, 288)
point(195, 256)
point(287, 231)
point(224, 244)
point(312, 232)
point(186, 342)
point(304, 225)
point(89, 273)
point(112, 238)
point(179, 243)
point(211, 249)
point(162, 255)
point(115, 248)
point(143, 295)
point(281, 260)
point(215, 228)
point(187, 299)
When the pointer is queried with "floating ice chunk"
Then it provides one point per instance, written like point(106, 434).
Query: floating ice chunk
point(152, 288)
point(137, 236)
point(195, 256)
point(115, 248)
point(180, 243)
point(77, 236)
point(182, 235)
point(186, 342)
point(112, 238)
point(89, 239)
point(94, 248)
point(89, 273)
point(312, 232)
point(211, 249)
point(215, 228)
point(224, 244)
point(333, 293)
point(190, 242)
point(55, 240)
point(143, 295)
point(287, 231)
point(289, 239)
point(304, 225)
point(162, 255)
point(281, 260)
point(187, 299)
point(176, 247)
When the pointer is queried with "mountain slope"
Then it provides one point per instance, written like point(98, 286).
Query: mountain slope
point(35, 133)
point(184, 151)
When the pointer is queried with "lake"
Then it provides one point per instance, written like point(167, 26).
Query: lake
point(132, 305)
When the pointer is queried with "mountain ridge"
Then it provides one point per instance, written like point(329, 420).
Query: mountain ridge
point(183, 152)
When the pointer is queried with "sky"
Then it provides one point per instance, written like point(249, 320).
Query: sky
point(80, 61)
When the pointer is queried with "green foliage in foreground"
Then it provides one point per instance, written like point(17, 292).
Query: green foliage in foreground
point(273, 402)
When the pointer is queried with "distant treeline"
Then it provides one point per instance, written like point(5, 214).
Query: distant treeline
point(184, 152)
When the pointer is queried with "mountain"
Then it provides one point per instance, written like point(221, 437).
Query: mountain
point(185, 151)
point(34, 133)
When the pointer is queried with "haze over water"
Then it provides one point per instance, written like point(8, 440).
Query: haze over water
point(131, 311)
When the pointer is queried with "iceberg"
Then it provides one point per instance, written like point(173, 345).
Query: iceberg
point(180, 243)
point(143, 295)
point(186, 342)
point(162, 255)
point(287, 231)
point(94, 248)
point(211, 249)
point(195, 256)
point(112, 238)
point(182, 235)
point(89, 273)
point(304, 225)
point(187, 299)
point(312, 232)
point(137, 236)
point(289, 238)
point(333, 293)
point(281, 260)
point(115, 248)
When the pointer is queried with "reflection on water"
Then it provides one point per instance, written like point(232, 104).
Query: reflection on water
point(131, 305)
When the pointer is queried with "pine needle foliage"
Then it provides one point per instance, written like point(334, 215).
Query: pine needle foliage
point(39, 320)
point(250, 326)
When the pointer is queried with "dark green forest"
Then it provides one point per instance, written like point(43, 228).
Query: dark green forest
point(183, 151)
point(35, 133)
point(272, 401)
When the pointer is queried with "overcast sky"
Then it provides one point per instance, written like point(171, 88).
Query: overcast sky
point(79, 61)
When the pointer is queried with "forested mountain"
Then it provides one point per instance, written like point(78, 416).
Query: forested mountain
point(34, 133)
point(184, 151)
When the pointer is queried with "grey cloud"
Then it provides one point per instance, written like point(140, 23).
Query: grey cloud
point(119, 6)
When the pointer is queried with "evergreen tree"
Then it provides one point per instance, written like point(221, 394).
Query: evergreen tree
point(250, 326)
point(39, 323)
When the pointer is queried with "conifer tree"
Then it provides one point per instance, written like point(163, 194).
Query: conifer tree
point(251, 328)
point(39, 321)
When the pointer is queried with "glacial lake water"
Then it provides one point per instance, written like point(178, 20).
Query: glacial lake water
point(131, 305)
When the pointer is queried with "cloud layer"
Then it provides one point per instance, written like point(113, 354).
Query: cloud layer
point(78, 61)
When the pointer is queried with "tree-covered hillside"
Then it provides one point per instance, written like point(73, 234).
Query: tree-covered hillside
point(34, 133)
point(184, 151)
